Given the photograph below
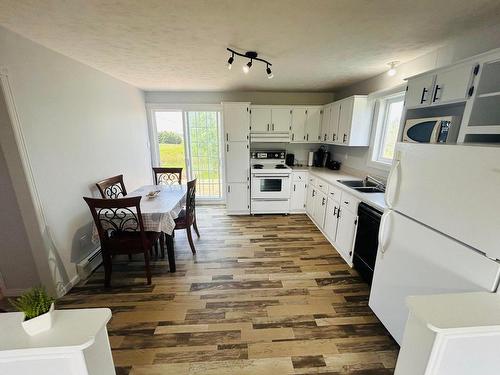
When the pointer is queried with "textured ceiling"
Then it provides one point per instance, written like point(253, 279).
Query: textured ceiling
point(314, 45)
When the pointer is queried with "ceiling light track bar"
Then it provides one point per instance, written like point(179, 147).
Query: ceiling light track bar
point(249, 55)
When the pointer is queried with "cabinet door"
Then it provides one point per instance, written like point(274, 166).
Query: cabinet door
point(236, 122)
point(419, 91)
point(237, 161)
point(299, 117)
point(298, 196)
point(331, 219)
point(237, 198)
point(325, 123)
point(313, 124)
point(345, 120)
point(281, 119)
point(319, 208)
point(346, 231)
point(334, 122)
point(260, 119)
point(452, 84)
point(311, 195)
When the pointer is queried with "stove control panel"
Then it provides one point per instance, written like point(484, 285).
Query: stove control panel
point(268, 154)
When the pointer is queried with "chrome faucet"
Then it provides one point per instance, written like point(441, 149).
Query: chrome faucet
point(380, 183)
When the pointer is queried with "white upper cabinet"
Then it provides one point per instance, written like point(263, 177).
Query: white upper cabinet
point(444, 86)
point(236, 120)
point(453, 84)
point(313, 124)
point(325, 123)
point(299, 117)
point(419, 91)
point(269, 119)
point(281, 119)
point(354, 121)
point(333, 135)
point(260, 119)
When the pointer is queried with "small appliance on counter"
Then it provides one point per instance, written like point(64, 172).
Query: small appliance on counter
point(290, 160)
point(321, 157)
point(334, 165)
point(310, 159)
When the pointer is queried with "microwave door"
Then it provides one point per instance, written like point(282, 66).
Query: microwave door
point(421, 132)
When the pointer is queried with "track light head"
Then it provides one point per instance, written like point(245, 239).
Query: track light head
point(246, 68)
point(269, 72)
point(230, 62)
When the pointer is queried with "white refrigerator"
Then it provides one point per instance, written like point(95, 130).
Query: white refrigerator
point(441, 230)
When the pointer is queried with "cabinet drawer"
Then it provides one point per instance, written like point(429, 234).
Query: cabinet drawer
point(299, 176)
point(322, 186)
point(349, 202)
point(334, 193)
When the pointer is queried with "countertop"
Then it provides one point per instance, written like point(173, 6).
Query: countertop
point(375, 200)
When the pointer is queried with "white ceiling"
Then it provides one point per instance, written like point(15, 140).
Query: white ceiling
point(314, 45)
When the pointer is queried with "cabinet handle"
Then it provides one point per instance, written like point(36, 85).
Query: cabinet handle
point(344, 139)
point(335, 211)
point(314, 193)
point(338, 212)
point(293, 187)
point(346, 202)
point(228, 188)
point(471, 91)
point(307, 137)
point(436, 89)
point(324, 138)
point(273, 127)
point(422, 98)
point(227, 148)
point(323, 202)
point(293, 137)
point(267, 127)
point(227, 137)
point(333, 137)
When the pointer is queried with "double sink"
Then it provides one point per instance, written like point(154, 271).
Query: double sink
point(364, 186)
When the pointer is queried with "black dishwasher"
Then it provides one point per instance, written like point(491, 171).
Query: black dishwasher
point(366, 244)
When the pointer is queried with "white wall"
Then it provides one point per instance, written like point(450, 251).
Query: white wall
point(80, 126)
point(457, 48)
point(255, 97)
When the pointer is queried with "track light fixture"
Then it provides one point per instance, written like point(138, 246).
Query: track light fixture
point(230, 61)
point(392, 71)
point(251, 55)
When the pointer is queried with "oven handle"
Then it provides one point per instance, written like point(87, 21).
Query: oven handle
point(270, 176)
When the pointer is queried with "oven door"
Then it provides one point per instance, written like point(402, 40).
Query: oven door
point(276, 186)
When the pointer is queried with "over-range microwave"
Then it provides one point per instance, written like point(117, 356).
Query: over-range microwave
point(432, 130)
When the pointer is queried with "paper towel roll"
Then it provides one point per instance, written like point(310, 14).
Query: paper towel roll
point(311, 158)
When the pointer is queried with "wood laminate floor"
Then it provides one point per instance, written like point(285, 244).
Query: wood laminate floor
point(263, 295)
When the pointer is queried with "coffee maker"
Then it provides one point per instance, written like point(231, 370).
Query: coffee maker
point(321, 157)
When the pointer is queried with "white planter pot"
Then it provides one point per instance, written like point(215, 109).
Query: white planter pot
point(39, 324)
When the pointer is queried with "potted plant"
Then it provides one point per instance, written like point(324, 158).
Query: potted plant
point(38, 308)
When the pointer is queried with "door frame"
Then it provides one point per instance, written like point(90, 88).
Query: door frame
point(151, 108)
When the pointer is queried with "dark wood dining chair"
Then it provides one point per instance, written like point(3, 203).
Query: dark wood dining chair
point(187, 216)
point(167, 176)
point(112, 187)
point(121, 231)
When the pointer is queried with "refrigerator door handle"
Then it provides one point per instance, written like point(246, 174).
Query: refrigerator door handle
point(392, 184)
point(383, 231)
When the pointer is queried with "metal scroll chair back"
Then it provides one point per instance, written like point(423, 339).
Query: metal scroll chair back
point(112, 187)
point(167, 176)
point(191, 201)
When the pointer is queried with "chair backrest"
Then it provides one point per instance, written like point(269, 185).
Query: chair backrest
point(191, 200)
point(113, 217)
point(112, 188)
point(167, 176)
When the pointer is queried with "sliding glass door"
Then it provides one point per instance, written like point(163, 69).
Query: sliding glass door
point(190, 139)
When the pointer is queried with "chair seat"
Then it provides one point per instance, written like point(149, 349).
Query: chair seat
point(125, 241)
point(181, 221)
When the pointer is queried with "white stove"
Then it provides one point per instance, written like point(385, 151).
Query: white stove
point(270, 183)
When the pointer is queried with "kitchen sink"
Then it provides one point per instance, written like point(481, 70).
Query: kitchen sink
point(369, 189)
point(358, 183)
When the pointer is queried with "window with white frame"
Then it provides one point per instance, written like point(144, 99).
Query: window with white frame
point(387, 119)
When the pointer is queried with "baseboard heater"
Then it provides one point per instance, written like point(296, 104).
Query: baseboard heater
point(88, 264)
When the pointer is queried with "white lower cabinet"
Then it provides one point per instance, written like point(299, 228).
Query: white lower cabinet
point(238, 198)
point(331, 219)
point(346, 231)
point(298, 196)
point(319, 209)
point(334, 211)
